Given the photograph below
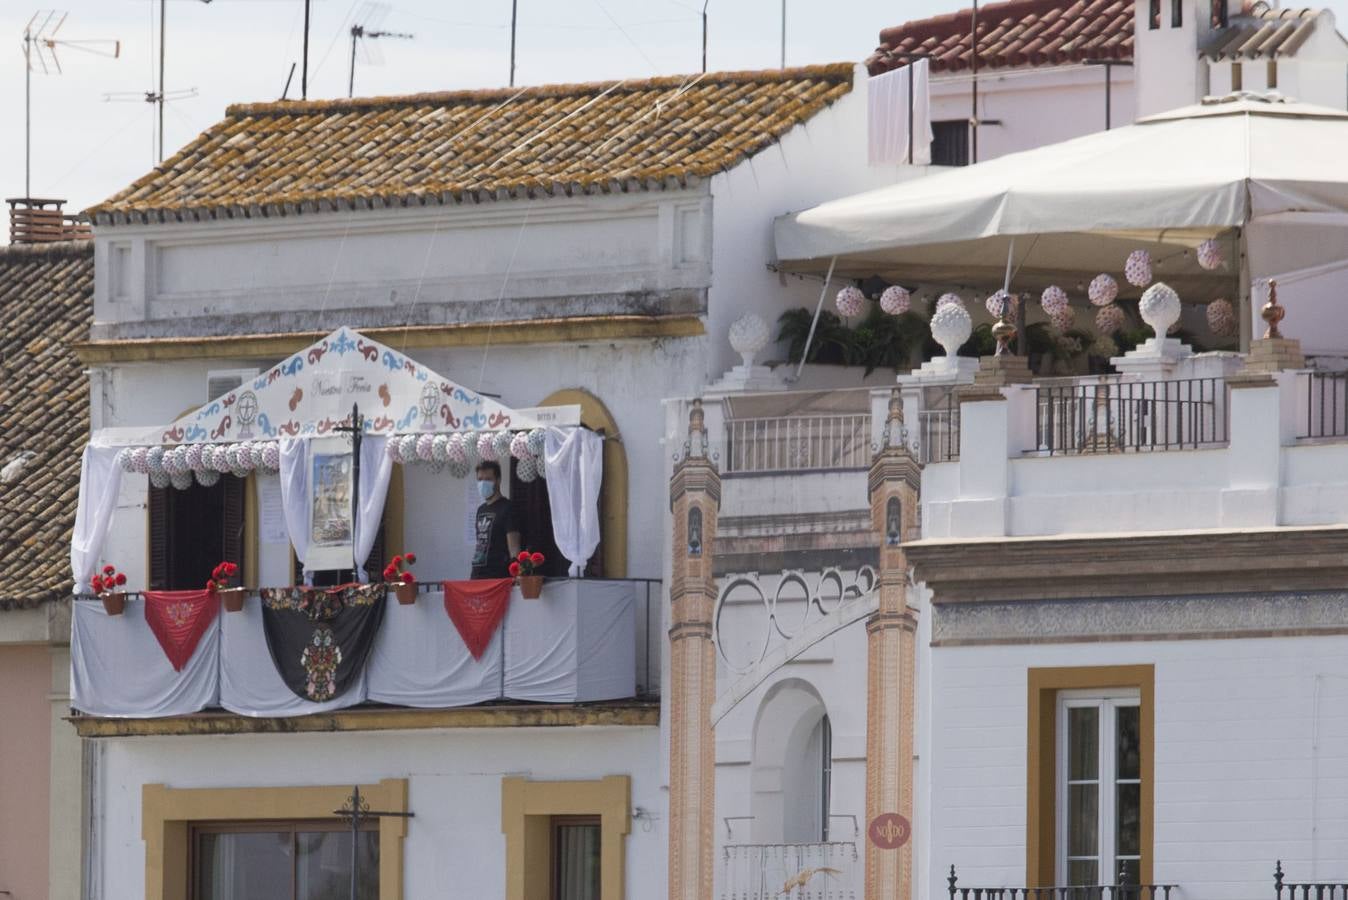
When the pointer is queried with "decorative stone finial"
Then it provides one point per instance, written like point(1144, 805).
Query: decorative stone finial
point(1160, 308)
point(697, 429)
point(895, 408)
point(1272, 313)
point(951, 327)
point(748, 335)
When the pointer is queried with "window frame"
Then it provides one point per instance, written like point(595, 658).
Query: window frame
point(260, 826)
point(555, 823)
point(527, 810)
point(1106, 781)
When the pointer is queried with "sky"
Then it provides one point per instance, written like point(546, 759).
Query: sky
point(86, 147)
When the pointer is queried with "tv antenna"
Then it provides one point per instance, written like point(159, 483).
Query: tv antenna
point(368, 20)
point(39, 51)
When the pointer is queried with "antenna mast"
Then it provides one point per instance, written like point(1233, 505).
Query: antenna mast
point(367, 26)
point(39, 49)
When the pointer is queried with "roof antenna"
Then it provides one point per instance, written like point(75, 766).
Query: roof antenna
point(369, 19)
point(39, 50)
point(514, 17)
point(704, 29)
point(286, 90)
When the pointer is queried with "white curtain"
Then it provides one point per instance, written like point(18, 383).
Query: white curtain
point(575, 467)
point(887, 115)
point(118, 669)
point(376, 467)
point(100, 481)
point(295, 497)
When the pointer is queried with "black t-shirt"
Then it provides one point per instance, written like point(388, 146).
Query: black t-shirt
point(491, 553)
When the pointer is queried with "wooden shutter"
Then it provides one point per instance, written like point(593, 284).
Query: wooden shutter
point(158, 505)
point(232, 549)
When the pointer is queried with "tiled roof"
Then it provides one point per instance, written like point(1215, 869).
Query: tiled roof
point(278, 158)
point(46, 303)
point(1013, 33)
point(1263, 33)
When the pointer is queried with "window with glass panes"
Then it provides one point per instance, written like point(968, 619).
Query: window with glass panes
point(282, 861)
point(1099, 787)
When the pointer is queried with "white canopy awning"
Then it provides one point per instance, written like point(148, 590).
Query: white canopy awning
point(1079, 207)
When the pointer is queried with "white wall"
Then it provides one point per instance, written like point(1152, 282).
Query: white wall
point(454, 845)
point(1251, 762)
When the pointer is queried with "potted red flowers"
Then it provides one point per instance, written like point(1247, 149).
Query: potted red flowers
point(105, 585)
point(525, 571)
point(218, 585)
point(404, 582)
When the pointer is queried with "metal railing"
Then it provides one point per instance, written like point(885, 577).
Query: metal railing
point(1326, 405)
point(798, 443)
point(1113, 416)
point(822, 871)
point(1123, 890)
point(938, 435)
point(1307, 890)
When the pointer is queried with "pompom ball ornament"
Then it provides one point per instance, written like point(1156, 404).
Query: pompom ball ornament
point(1054, 299)
point(1210, 256)
point(525, 470)
point(850, 301)
point(537, 438)
point(1160, 307)
point(140, 463)
point(1109, 320)
point(239, 473)
point(394, 449)
point(207, 477)
point(181, 480)
point(458, 468)
point(220, 459)
point(407, 446)
point(486, 446)
point(440, 448)
point(160, 479)
point(426, 448)
point(470, 447)
point(125, 459)
point(1137, 268)
point(1222, 318)
point(1103, 290)
point(154, 459)
point(231, 454)
point(454, 450)
point(1000, 299)
point(951, 327)
point(500, 442)
point(1063, 319)
point(258, 452)
point(170, 461)
point(541, 466)
point(949, 299)
point(519, 446)
point(895, 300)
point(271, 456)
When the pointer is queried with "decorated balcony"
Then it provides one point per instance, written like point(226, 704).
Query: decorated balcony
point(830, 870)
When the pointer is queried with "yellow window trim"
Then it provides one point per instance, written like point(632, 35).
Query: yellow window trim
point(1041, 729)
point(167, 815)
point(527, 808)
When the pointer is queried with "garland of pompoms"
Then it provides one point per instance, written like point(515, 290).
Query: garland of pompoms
point(203, 464)
point(459, 453)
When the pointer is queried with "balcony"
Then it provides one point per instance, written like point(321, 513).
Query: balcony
point(1122, 890)
point(584, 644)
point(832, 870)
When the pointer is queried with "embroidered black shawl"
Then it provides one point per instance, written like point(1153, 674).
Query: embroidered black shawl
point(319, 638)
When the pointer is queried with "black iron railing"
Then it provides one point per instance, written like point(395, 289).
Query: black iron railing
point(1118, 416)
point(1326, 405)
point(1307, 890)
point(938, 438)
point(1120, 891)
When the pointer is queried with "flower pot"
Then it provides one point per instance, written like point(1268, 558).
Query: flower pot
point(232, 598)
point(531, 586)
point(406, 593)
point(114, 602)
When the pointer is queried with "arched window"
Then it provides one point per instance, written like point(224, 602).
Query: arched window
point(793, 766)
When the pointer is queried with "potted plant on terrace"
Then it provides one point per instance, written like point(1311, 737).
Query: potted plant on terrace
point(525, 571)
point(105, 585)
point(218, 585)
point(404, 583)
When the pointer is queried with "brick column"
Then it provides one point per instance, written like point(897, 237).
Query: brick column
point(894, 484)
point(695, 499)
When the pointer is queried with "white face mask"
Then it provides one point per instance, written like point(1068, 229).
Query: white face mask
point(486, 488)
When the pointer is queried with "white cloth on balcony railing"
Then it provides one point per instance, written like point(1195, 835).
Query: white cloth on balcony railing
point(249, 682)
point(376, 467)
point(118, 669)
point(574, 644)
point(100, 481)
point(295, 497)
point(420, 660)
point(575, 469)
point(887, 116)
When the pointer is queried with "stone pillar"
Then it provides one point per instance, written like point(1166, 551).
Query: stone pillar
point(894, 484)
point(695, 500)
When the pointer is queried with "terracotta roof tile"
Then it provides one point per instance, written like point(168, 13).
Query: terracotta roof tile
point(46, 303)
point(1013, 33)
point(277, 158)
point(1263, 33)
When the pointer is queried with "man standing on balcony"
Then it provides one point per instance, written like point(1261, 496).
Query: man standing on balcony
point(497, 534)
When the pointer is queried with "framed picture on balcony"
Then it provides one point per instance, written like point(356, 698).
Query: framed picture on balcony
point(331, 488)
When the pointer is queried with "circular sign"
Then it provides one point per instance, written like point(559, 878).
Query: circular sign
point(889, 831)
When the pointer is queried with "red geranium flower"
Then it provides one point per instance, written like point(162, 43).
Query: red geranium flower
point(121, 579)
point(410, 558)
point(231, 568)
point(397, 560)
point(536, 559)
point(524, 556)
point(97, 584)
point(108, 570)
point(409, 578)
point(514, 569)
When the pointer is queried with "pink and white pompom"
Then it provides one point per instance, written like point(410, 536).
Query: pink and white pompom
point(257, 452)
point(519, 445)
point(440, 448)
point(230, 452)
point(271, 456)
point(1210, 255)
point(1222, 318)
point(525, 469)
point(486, 446)
point(220, 460)
point(394, 449)
point(154, 459)
point(537, 440)
point(426, 448)
point(207, 477)
point(1000, 299)
point(1109, 320)
point(1103, 290)
point(949, 298)
point(470, 439)
point(181, 480)
point(170, 461)
point(194, 457)
point(458, 468)
point(1054, 299)
point(1063, 319)
point(1137, 268)
point(407, 446)
point(850, 301)
point(541, 466)
point(160, 479)
point(895, 300)
point(125, 459)
point(139, 462)
point(244, 461)
point(455, 451)
point(501, 444)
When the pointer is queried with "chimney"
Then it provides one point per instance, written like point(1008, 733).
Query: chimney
point(35, 220)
